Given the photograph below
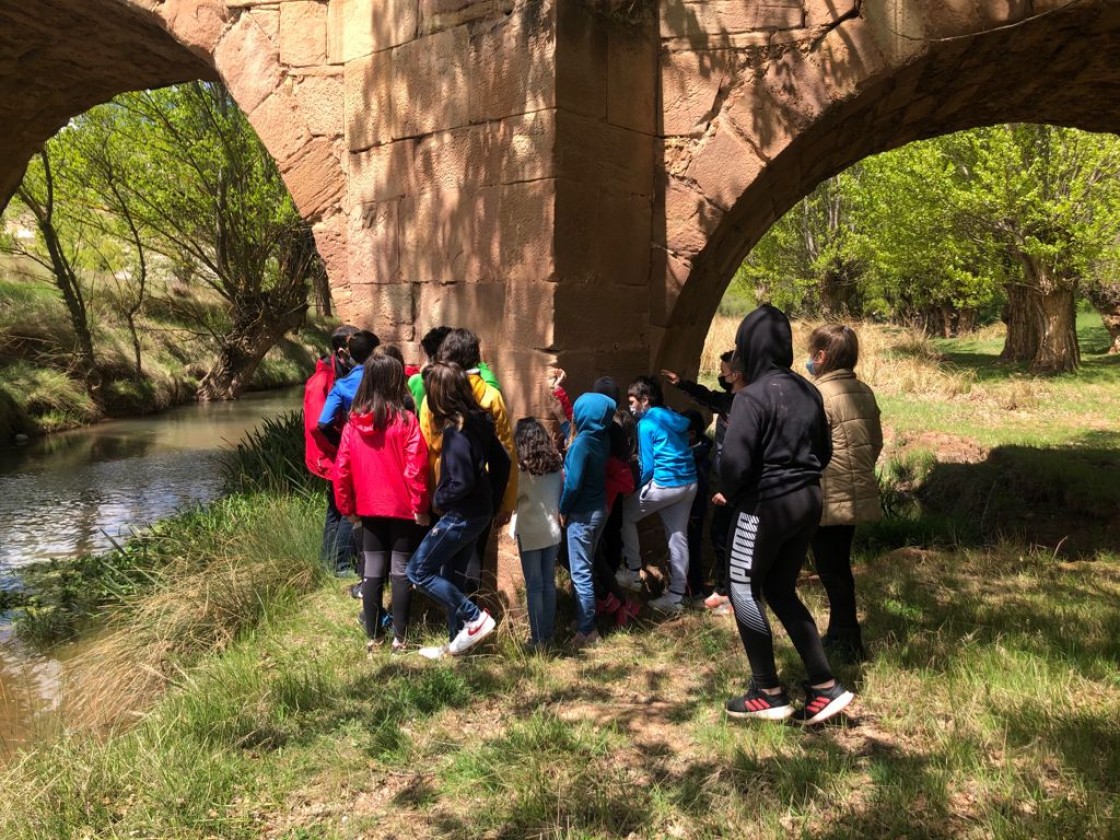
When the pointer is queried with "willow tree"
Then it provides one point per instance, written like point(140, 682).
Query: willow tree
point(206, 193)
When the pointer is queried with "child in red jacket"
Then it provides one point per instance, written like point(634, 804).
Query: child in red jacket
point(381, 476)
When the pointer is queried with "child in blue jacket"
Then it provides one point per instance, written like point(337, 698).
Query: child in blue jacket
point(583, 503)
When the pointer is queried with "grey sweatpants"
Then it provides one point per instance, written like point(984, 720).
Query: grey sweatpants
point(672, 504)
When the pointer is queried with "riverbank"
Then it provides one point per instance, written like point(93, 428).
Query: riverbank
point(989, 707)
point(39, 394)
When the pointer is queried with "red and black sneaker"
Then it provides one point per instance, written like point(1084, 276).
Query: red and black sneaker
point(758, 704)
point(823, 703)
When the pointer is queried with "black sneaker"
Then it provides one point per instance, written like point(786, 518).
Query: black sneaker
point(758, 704)
point(823, 703)
point(356, 591)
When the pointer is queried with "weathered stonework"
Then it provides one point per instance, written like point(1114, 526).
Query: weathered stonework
point(575, 179)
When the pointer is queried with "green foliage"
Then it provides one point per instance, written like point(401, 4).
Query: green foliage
point(270, 459)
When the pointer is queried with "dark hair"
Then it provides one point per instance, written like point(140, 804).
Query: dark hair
point(646, 388)
point(461, 347)
point(606, 386)
point(341, 336)
point(449, 395)
point(392, 350)
point(361, 345)
point(432, 339)
point(727, 356)
point(695, 421)
point(536, 451)
point(840, 346)
point(382, 389)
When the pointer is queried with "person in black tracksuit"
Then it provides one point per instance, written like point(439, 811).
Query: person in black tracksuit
point(776, 445)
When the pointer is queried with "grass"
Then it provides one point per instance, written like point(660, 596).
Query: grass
point(39, 393)
point(990, 707)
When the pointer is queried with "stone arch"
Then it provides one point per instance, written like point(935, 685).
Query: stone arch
point(59, 58)
point(750, 129)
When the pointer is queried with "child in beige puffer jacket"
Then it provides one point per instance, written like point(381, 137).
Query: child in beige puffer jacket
point(849, 487)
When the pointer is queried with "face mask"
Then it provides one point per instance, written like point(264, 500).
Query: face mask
point(637, 413)
point(811, 366)
point(724, 384)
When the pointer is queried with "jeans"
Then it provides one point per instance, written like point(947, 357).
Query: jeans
point(584, 531)
point(539, 567)
point(340, 544)
point(672, 504)
point(448, 545)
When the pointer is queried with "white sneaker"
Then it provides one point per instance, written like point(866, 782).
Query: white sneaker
point(667, 603)
point(433, 652)
point(629, 579)
point(472, 633)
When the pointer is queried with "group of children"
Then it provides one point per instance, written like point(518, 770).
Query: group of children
point(423, 462)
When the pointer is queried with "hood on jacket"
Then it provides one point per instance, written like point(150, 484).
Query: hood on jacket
point(667, 419)
point(363, 424)
point(764, 342)
point(593, 412)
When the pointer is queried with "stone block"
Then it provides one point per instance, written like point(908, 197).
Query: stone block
point(303, 33)
point(368, 100)
point(825, 12)
point(471, 305)
point(373, 246)
point(459, 158)
point(578, 237)
point(668, 274)
point(522, 373)
point(436, 15)
point(382, 172)
point(280, 126)
point(625, 222)
point(430, 88)
point(631, 81)
point(598, 315)
point(393, 304)
point(581, 60)
point(451, 236)
point(315, 178)
point(689, 218)
point(357, 28)
point(527, 321)
point(511, 65)
point(197, 25)
point(693, 84)
point(248, 62)
point(595, 152)
point(761, 118)
point(712, 19)
point(527, 226)
point(322, 100)
point(724, 166)
point(850, 58)
point(527, 147)
point(330, 241)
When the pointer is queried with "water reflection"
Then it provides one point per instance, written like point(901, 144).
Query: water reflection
point(74, 493)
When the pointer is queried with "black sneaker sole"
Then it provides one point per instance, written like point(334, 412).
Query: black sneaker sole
point(837, 705)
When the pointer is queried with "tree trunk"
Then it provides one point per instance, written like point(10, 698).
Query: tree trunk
point(254, 334)
point(1105, 298)
point(1021, 343)
point(1056, 316)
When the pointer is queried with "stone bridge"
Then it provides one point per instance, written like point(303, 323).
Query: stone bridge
point(575, 179)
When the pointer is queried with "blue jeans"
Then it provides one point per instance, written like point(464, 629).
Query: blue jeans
point(539, 567)
point(339, 543)
point(584, 531)
point(448, 545)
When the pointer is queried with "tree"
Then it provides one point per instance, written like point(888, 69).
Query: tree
point(61, 231)
point(206, 193)
point(1048, 197)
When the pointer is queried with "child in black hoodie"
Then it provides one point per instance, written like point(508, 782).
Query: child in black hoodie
point(776, 445)
point(474, 470)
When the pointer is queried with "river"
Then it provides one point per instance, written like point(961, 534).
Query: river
point(75, 492)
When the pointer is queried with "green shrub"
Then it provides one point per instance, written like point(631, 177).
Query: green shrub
point(270, 459)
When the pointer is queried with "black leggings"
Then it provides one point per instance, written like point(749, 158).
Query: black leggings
point(767, 547)
point(387, 545)
point(608, 556)
point(832, 555)
point(721, 525)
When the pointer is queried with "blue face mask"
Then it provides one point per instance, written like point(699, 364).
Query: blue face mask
point(811, 366)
